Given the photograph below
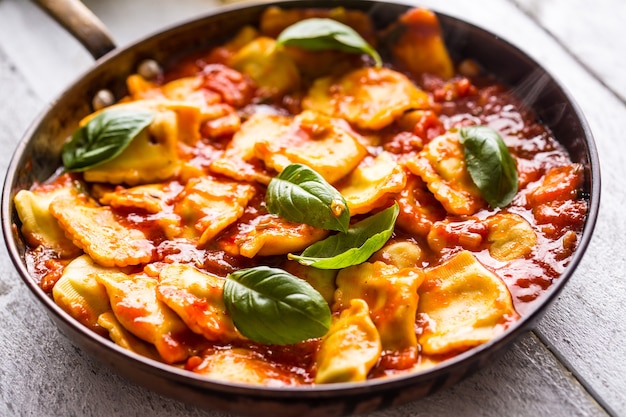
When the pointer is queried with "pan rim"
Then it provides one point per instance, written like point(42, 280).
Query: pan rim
point(526, 322)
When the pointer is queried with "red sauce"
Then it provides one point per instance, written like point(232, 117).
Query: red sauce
point(547, 197)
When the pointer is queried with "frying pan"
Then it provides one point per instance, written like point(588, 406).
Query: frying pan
point(38, 155)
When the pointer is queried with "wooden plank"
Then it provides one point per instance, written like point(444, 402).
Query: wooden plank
point(19, 105)
point(592, 32)
point(37, 358)
point(586, 325)
point(156, 15)
point(493, 393)
point(47, 56)
point(526, 380)
point(51, 59)
point(527, 376)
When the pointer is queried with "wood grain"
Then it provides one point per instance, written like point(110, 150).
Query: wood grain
point(585, 327)
point(582, 337)
point(592, 32)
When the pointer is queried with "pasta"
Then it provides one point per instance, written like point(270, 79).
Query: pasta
point(416, 252)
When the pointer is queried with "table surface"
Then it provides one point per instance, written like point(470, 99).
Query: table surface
point(572, 364)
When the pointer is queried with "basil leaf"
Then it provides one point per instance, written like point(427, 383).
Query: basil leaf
point(353, 247)
point(301, 195)
point(269, 305)
point(104, 137)
point(490, 164)
point(317, 34)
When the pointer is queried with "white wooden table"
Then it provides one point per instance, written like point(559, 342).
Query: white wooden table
point(573, 364)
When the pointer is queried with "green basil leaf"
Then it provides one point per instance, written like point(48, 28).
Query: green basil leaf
point(317, 34)
point(490, 164)
point(353, 247)
point(301, 195)
point(104, 137)
point(269, 305)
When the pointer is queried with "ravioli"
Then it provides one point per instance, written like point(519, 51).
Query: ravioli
point(276, 19)
point(391, 294)
point(271, 68)
point(39, 227)
point(79, 293)
point(190, 90)
point(268, 235)
point(187, 89)
point(151, 201)
point(218, 118)
point(323, 280)
point(510, 236)
point(441, 165)
point(351, 348)
point(313, 64)
point(153, 198)
point(152, 155)
point(242, 365)
point(197, 298)
point(325, 144)
point(464, 305)
point(96, 230)
point(136, 306)
point(207, 206)
point(239, 160)
point(371, 184)
point(470, 234)
point(419, 209)
point(370, 98)
point(123, 338)
point(399, 253)
point(420, 47)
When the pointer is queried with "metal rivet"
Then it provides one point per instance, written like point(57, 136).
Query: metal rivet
point(102, 99)
point(149, 69)
point(469, 68)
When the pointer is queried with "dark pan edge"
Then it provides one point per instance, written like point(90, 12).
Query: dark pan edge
point(353, 398)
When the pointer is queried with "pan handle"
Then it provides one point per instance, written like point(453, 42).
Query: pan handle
point(78, 20)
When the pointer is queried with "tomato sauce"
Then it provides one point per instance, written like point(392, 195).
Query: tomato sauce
point(547, 198)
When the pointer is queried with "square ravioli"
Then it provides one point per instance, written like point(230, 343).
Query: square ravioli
point(197, 298)
point(441, 165)
point(371, 183)
point(391, 294)
point(463, 304)
point(326, 145)
point(370, 98)
point(100, 233)
point(207, 206)
point(136, 306)
point(153, 154)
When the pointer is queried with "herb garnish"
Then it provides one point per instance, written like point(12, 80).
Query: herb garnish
point(318, 34)
point(104, 137)
point(269, 305)
point(353, 247)
point(299, 194)
point(490, 164)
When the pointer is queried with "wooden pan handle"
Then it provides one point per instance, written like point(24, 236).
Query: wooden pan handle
point(78, 20)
